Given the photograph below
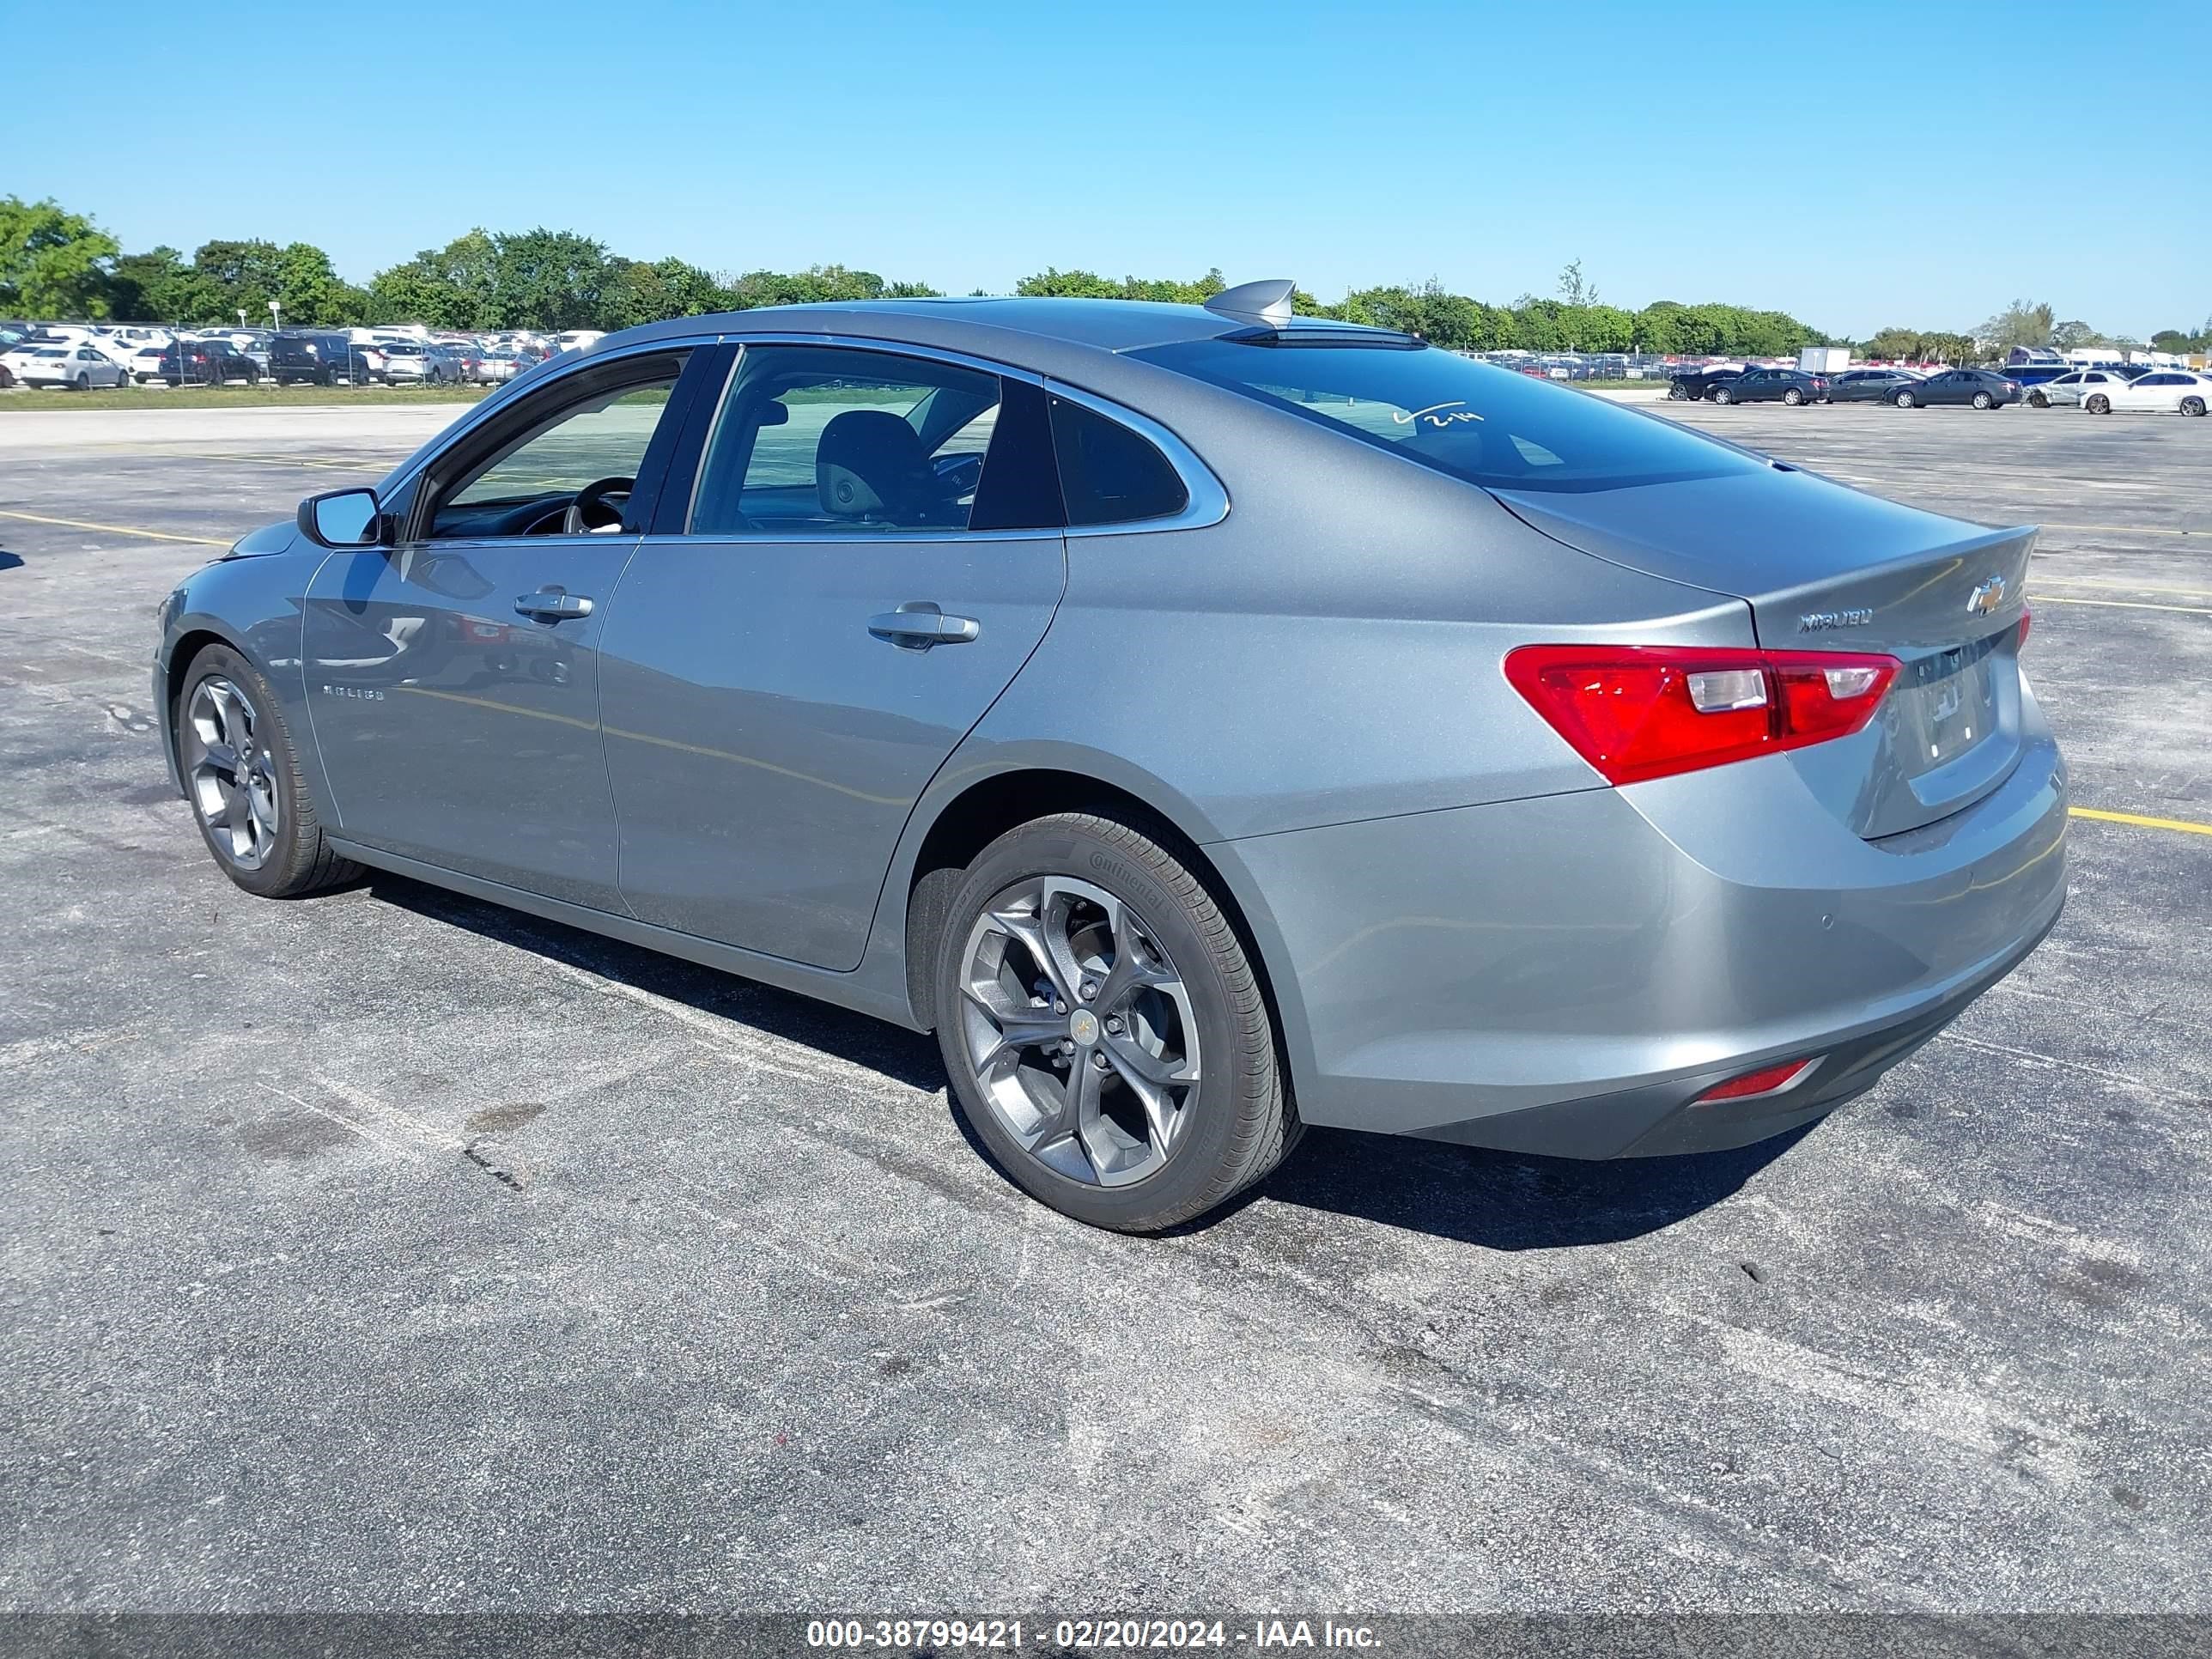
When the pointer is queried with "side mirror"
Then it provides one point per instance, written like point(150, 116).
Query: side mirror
point(342, 519)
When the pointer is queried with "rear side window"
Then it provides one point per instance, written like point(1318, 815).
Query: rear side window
point(834, 440)
point(1109, 474)
point(1474, 421)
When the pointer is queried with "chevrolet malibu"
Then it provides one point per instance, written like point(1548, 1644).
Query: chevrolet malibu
point(1208, 722)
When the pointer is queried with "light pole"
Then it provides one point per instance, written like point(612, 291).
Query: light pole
point(275, 314)
point(242, 316)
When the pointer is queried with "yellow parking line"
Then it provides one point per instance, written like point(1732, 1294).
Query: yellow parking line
point(2137, 818)
point(2123, 604)
point(114, 529)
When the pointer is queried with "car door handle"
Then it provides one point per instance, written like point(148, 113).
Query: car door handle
point(551, 604)
point(919, 624)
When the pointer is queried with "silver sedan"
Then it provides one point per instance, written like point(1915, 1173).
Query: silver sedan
point(1208, 722)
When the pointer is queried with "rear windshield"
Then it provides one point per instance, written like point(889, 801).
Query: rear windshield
point(1488, 426)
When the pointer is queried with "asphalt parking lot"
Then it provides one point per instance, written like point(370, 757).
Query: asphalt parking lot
point(389, 1250)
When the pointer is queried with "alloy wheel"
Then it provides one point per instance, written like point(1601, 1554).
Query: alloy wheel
point(231, 772)
point(1079, 1030)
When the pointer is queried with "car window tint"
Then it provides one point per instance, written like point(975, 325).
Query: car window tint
point(830, 441)
point(580, 441)
point(1109, 474)
point(1467, 419)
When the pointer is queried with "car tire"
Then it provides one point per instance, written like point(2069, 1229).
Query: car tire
point(84, 380)
point(1722, 395)
point(2038, 400)
point(258, 819)
point(1675, 394)
point(1174, 1080)
point(2098, 403)
point(1983, 400)
point(1906, 400)
point(2192, 405)
point(1794, 398)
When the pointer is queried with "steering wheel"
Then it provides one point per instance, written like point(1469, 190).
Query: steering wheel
point(592, 510)
point(958, 475)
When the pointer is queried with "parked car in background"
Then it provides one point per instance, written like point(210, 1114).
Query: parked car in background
point(2167, 391)
point(125, 341)
point(79, 368)
point(1980, 388)
point(494, 368)
point(207, 363)
point(1695, 383)
point(1545, 861)
point(1869, 385)
point(314, 357)
point(1773, 385)
point(464, 361)
point(18, 353)
point(370, 356)
point(409, 362)
point(2072, 387)
point(145, 365)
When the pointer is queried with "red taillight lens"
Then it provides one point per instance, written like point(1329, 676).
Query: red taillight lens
point(1768, 1081)
point(2021, 644)
point(1639, 712)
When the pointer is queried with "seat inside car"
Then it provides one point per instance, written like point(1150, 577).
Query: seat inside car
point(871, 466)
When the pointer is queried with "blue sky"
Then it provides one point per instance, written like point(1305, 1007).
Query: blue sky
point(1857, 165)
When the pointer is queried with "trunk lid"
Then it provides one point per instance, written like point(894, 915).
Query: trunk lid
point(1825, 568)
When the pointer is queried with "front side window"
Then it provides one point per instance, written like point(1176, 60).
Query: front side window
point(830, 441)
point(583, 452)
point(1464, 418)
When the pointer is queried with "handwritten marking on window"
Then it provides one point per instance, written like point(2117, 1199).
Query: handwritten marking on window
point(1437, 415)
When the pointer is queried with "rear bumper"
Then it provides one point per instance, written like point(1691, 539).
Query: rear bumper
point(1566, 975)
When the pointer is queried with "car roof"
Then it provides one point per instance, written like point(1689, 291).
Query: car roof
point(1104, 325)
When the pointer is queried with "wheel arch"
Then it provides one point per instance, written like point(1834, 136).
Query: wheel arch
point(188, 644)
point(982, 808)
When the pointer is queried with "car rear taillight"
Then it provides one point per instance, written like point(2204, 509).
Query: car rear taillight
point(1638, 712)
point(1767, 1080)
point(2021, 644)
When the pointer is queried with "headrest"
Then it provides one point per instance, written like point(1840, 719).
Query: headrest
point(870, 464)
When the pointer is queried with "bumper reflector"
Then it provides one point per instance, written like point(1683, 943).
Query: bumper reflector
point(1767, 1080)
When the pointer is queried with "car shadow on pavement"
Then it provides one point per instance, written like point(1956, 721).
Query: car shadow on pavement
point(906, 1056)
point(1497, 1200)
point(1509, 1200)
point(10, 560)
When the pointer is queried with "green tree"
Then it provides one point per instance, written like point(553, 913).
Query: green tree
point(453, 287)
point(1089, 285)
point(2019, 324)
point(1895, 345)
point(1602, 328)
point(640, 292)
point(159, 287)
point(53, 263)
point(815, 285)
point(547, 279)
point(1574, 290)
